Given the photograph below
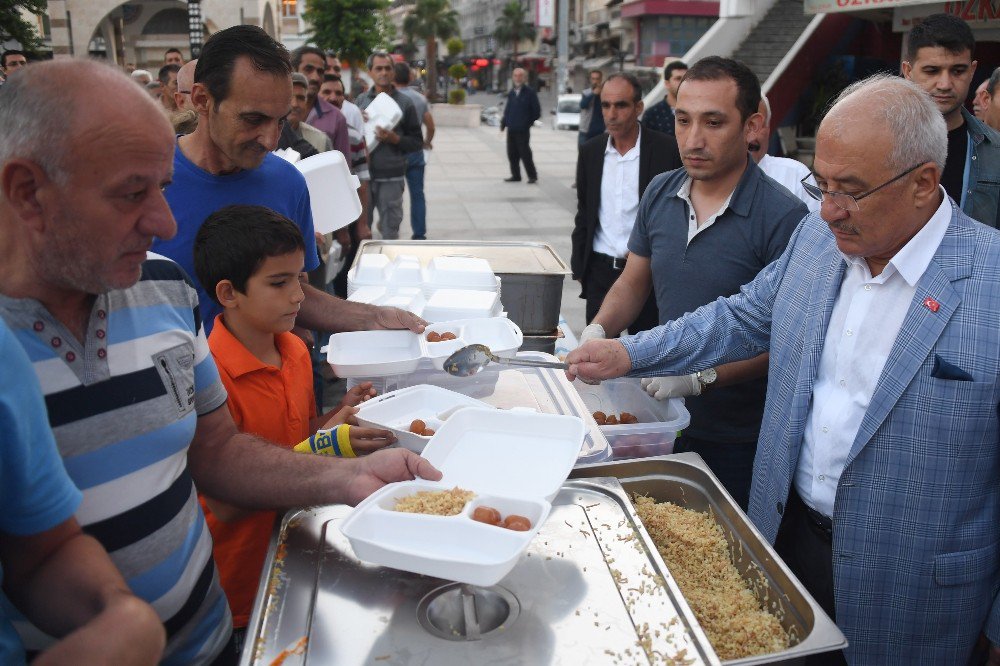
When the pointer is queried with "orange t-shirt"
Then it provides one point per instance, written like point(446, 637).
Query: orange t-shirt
point(275, 404)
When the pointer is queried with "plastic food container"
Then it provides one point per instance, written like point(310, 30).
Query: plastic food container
point(500, 334)
point(396, 410)
point(333, 190)
point(372, 354)
point(514, 462)
point(451, 304)
point(659, 420)
point(470, 272)
point(382, 112)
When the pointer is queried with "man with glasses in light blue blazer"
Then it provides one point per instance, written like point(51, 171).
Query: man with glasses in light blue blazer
point(877, 473)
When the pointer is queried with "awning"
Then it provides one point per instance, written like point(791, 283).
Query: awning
point(598, 63)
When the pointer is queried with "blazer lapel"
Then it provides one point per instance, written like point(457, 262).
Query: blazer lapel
point(922, 326)
point(645, 162)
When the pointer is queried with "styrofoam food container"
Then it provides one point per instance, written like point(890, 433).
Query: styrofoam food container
point(406, 298)
point(468, 272)
point(452, 304)
point(384, 112)
point(513, 461)
point(396, 410)
point(374, 353)
point(500, 334)
point(659, 420)
point(333, 190)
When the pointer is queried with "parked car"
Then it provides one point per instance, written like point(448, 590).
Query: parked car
point(566, 115)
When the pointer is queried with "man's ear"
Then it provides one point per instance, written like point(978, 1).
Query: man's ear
point(22, 182)
point(927, 180)
point(226, 293)
point(201, 99)
point(907, 69)
point(753, 126)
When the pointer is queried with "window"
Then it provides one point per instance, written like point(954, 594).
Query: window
point(289, 8)
point(663, 36)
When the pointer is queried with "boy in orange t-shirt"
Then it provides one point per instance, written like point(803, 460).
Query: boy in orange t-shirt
point(250, 260)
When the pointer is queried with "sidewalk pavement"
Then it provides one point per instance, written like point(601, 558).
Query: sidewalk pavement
point(468, 200)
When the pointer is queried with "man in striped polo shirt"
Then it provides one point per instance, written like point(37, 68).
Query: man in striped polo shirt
point(116, 339)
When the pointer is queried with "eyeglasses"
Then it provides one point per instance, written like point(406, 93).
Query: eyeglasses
point(848, 202)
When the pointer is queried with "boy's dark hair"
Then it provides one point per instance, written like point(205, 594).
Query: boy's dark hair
point(944, 30)
point(302, 50)
point(401, 73)
point(234, 241)
point(224, 48)
point(714, 68)
point(11, 52)
point(632, 80)
point(164, 74)
point(672, 67)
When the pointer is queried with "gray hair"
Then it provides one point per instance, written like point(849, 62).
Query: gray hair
point(993, 81)
point(378, 54)
point(141, 74)
point(34, 128)
point(909, 115)
point(300, 80)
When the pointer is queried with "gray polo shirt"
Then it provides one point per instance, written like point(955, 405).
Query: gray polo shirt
point(747, 236)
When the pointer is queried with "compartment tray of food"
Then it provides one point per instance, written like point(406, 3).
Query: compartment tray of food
point(685, 480)
point(588, 590)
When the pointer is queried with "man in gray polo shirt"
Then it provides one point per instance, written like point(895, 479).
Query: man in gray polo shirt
point(701, 233)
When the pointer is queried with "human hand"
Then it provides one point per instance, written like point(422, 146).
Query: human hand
point(386, 135)
point(370, 473)
point(388, 318)
point(597, 360)
point(428, 146)
point(663, 388)
point(592, 332)
point(358, 395)
point(363, 231)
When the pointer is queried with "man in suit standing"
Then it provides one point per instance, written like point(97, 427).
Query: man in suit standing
point(701, 233)
point(520, 112)
point(612, 172)
point(878, 467)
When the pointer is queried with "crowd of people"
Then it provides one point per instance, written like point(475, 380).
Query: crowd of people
point(834, 330)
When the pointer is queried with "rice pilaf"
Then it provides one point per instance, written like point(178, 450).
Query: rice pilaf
point(435, 502)
point(694, 548)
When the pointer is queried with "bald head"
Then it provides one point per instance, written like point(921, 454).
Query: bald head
point(185, 79)
point(35, 129)
point(895, 108)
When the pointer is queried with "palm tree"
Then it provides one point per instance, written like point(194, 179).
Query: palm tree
point(431, 20)
point(512, 27)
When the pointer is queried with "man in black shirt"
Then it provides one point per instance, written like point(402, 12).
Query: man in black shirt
point(939, 60)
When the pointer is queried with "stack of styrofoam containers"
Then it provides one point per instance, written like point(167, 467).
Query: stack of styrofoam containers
point(659, 420)
point(448, 288)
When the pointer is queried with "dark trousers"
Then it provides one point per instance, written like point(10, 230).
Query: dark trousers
point(731, 462)
point(808, 551)
point(519, 150)
point(596, 284)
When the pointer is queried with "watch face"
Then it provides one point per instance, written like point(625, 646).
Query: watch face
point(708, 376)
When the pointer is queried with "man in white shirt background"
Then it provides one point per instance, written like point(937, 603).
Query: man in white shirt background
point(786, 171)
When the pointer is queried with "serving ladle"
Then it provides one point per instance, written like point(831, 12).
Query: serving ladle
point(469, 360)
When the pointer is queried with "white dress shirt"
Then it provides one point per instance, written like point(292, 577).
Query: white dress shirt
point(619, 200)
point(693, 227)
point(865, 321)
point(790, 173)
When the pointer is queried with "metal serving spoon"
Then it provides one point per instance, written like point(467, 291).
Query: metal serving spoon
point(467, 361)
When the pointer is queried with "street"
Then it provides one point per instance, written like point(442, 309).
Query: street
point(468, 200)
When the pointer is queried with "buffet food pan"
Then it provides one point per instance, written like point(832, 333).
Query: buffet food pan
point(587, 590)
point(686, 480)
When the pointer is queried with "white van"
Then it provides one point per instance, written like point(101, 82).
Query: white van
point(567, 112)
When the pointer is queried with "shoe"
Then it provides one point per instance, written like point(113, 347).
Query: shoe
point(532, 181)
point(512, 180)
point(418, 238)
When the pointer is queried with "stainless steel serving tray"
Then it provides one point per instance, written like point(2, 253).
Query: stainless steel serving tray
point(686, 480)
point(523, 257)
point(587, 591)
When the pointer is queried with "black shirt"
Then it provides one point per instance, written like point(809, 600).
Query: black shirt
point(954, 166)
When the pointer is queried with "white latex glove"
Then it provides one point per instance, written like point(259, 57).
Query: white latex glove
point(593, 332)
point(663, 388)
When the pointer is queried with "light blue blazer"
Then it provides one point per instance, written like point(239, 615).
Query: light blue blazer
point(916, 537)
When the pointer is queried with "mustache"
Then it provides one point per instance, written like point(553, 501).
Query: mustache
point(696, 154)
point(843, 227)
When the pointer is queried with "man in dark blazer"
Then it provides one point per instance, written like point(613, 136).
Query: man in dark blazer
point(520, 112)
point(630, 158)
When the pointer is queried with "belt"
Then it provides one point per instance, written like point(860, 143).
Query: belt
point(823, 523)
point(616, 263)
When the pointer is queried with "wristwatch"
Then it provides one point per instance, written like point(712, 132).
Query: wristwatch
point(706, 378)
